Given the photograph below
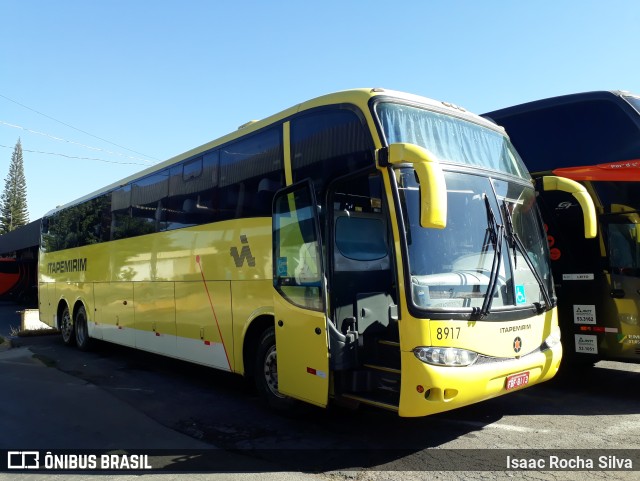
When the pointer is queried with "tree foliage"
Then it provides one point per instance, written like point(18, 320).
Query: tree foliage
point(13, 203)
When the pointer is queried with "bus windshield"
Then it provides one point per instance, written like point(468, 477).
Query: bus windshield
point(621, 225)
point(618, 196)
point(450, 139)
point(476, 253)
point(634, 101)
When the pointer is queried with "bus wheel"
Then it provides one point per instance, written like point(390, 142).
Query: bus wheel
point(82, 332)
point(66, 328)
point(266, 372)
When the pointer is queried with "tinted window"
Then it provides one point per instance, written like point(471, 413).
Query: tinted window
point(193, 193)
point(78, 225)
point(361, 239)
point(147, 198)
point(251, 171)
point(585, 133)
point(329, 143)
point(237, 180)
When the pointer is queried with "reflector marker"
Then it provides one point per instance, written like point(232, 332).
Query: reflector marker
point(315, 372)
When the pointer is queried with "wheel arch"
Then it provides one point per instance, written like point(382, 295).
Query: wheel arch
point(251, 340)
point(79, 303)
point(62, 303)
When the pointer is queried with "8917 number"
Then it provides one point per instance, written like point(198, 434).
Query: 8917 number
point(447, 333)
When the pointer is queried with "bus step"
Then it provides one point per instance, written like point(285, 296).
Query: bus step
point(388, 369)
point(376, 401)
point(385, 381)
point(384, 352)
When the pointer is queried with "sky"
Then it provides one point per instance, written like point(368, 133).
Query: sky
point(99, 90)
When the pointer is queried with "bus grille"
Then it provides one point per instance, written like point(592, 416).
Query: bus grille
point(482, 359)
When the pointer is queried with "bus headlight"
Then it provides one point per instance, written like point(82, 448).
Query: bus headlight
point(445, 356)
point(552, 340)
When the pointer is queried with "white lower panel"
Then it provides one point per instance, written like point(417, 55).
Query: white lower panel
point(203, 352)
point(156, 342)
point(118, 334)
point(195, 350)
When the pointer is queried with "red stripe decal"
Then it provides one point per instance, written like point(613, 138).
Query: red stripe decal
point(206, 288)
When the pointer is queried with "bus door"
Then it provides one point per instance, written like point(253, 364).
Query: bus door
point(299, 296)
point(623, 244)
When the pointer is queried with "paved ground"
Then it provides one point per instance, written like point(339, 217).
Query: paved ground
point(115, 397)
point(43, 408)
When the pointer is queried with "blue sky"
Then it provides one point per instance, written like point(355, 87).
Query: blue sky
point(133, 82)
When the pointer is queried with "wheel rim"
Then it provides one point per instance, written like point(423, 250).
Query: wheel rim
point(271, 371)
point(66, 326)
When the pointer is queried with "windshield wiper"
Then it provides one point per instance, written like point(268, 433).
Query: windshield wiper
point(517, 244)
point(495, 236)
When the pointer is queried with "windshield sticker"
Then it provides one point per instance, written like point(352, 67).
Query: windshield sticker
point(282, 267)
point(577, 277)
point(584, 314)
point(521, 297)
point(629, 339)
point(586, 343)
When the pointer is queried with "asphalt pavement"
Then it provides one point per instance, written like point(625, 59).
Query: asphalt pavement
point(46, 410)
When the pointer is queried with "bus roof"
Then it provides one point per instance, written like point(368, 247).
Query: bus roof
point(358, 97)
point(544, 104)
point(576, 130)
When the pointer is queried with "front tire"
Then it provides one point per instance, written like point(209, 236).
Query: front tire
point(266, 372)
point(67, 328)
point(83, 340)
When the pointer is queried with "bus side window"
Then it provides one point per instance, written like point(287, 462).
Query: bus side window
point(147, 196)
point(328, 143)
point(120, 212)
point(192, 193)
point(250, 167)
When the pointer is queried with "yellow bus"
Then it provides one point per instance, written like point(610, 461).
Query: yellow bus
point(367, 245)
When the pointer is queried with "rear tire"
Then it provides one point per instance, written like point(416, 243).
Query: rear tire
point(266, 372)
point(67, 328)
point(83, 340)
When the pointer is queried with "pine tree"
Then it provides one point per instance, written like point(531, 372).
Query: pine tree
point(13, 203)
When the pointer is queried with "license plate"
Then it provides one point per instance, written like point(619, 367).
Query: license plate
point(517, 380)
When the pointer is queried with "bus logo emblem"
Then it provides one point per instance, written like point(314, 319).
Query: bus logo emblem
point(244, 254)
point(517, 344)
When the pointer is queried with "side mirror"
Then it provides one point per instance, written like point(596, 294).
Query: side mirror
point(581, 195)
point(433, 188)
